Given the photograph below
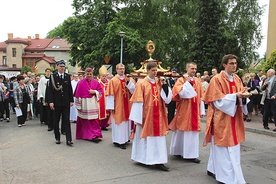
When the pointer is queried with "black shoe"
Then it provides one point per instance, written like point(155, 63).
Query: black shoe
point(57, 141)
point(50, 129)
point(194, 160)
point(116, 144)
point(96, 140)
point(162, 167)
point(274, 130)
point(266, 127)
point(211, 174)
point(123, 146)
point(104, 128)
point(69, 143)
point(178, 156)
point(63, 133)
point(248, 120)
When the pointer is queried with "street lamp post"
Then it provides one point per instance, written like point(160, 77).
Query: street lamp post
point(122, 34)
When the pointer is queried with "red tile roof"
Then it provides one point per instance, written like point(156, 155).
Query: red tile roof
point(38, 44)
point(3, 46)
point(49, 44)
point(48, 59)
point(18, 40)
point(59, 44)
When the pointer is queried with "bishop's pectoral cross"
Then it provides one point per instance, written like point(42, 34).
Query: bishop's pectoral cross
point(155, 96)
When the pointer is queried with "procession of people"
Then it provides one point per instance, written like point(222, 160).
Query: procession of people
point(135, 111)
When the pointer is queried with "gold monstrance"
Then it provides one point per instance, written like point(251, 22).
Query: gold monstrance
point(142, 72)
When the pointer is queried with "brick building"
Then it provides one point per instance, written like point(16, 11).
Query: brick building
point(37, 53)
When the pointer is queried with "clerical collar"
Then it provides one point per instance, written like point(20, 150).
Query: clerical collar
point(230, 77)
point(121, 77)
point(152, 80)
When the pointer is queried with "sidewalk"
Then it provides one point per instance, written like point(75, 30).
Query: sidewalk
point(256, 126)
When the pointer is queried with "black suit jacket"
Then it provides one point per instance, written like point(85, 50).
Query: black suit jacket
point(60, 97)
point(171, 82)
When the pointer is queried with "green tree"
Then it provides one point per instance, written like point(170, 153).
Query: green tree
point(207, 44)
point(244, 19)
point(270, 62)
point(186, 30)
point(26, 69)
point(57, 32)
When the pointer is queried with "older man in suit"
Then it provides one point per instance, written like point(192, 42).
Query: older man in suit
point(60, 99)
point(269, 98)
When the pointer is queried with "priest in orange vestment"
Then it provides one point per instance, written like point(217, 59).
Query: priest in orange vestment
point(118, 94)
point(149, 114)
point(224, 123)
point(187, 92)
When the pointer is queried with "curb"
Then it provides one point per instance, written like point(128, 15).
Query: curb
point(263, 132)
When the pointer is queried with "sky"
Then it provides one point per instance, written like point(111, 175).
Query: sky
point(26, 18)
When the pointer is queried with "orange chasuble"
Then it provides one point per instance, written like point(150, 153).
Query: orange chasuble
point(102, 102)
point(227, 130)
point(118, 89)
point(154, 120)
point(187, 117)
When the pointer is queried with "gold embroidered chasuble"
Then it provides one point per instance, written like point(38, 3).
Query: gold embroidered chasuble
point(118, 89)
point(184, 119)
point(218, 123)
point(149, 95)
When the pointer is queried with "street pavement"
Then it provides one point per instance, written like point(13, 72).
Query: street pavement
point(29, 155)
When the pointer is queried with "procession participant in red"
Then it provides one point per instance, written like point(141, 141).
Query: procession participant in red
point(103, 113)
point(224, 123)
point(118, 93)
point(149, 114)
point(187, 92)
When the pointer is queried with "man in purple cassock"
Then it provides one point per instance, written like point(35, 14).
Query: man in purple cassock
point(87, 93)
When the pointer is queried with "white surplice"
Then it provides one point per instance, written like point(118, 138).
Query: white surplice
point(224, 162)
point(122, 131)
point(73, 110)
point(186, 143)
point(152, 149)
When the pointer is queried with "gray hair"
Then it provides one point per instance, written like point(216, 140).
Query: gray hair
point(271, 70)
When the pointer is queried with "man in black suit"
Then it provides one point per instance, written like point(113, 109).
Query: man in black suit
point(259, 75)
point(172, 105)
point(269, 98)
point(60, 99)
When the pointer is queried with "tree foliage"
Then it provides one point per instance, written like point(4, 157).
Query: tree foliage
point(57, 32)
point(26, 69)
point(270, 62)
point(184, 30)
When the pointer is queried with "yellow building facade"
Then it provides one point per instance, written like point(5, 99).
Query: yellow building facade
point(271, 30)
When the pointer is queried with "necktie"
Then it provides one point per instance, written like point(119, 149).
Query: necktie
point(61, 76)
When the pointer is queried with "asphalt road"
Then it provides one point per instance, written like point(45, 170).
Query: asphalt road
point(29, 155)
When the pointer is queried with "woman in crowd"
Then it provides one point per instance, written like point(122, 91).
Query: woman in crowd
point(6, 100)
point(28, 83)
point(22, 97)
point(254, 88)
